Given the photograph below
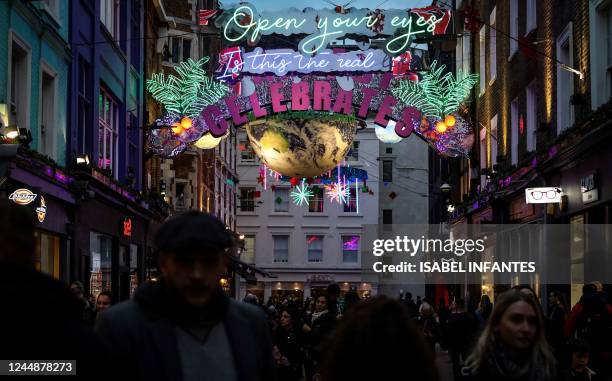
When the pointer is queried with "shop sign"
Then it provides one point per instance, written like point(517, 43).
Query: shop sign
point(127, 227)
point(588, 188)
point(41, 211)
point(321, 278)
point(22, 196)
point(548, 195)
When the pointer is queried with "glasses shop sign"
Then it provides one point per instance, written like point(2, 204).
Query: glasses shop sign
point(551, 195)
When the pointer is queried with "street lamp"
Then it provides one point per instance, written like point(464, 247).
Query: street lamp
point(445, 188)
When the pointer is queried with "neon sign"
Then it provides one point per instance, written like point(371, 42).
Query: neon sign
point(127, 227)
point(245, 24)
point(283, 61)
point(22, 196)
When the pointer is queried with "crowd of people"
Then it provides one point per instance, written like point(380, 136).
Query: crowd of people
point(184, 327)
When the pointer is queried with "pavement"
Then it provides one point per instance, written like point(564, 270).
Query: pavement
point(444, 365)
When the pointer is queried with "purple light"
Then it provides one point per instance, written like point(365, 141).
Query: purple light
point(508, 181)
point(352, 244)
point(62, 178)
point(552, 152)
point(48, 171)
point(534, 162)
point(475, 205)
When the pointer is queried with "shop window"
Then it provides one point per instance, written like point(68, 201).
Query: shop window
point(350, 249)
point(281, 200)
point(281, 248)
point(101, 250)
point(47, 254)
point(353, 153)
point(247, 199)
point(351, 202)
point(248, 254)
point(577, 245)
point(315, 203)
point(134, 281)
point(315, 248)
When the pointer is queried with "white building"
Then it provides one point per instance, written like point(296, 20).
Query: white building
point(310, 246)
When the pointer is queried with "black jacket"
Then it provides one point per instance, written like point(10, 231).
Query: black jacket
point(141, 333)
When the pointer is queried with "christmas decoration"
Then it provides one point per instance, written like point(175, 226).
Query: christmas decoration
point(337, 193)
point(301, 194)
point(392, 195)
point(207, 141)
point(278, 200)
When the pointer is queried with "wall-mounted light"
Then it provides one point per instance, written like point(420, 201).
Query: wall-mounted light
point(82, 160)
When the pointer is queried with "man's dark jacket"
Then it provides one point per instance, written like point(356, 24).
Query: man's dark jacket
point(142, 334)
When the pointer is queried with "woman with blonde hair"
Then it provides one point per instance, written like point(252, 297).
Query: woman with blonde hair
point(513, 345)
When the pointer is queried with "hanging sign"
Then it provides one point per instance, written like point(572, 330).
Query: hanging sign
point(41, 211)
point(22, 196)
point(127, 227)
point(543, 195)
point(283, 61)
point(244, 23)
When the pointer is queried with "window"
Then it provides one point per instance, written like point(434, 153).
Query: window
point(492, 47)
point(388, 150)
point(101, 251)
point(513, 27)
point(247, 199)
point(514, 127)
point(179, 203)
point(47, 258)
point(351, 202)
point(281, 248)
point(52, 7)
point(387, 171)
point(20, 84)
point(463, 52)
point(47, 112)
point(350, 249)
point(387, 216)
point(315, 203)
point(179, 49)
point(248, 254)
point(281, 200)
point(565, 80)
point(482, 59)
point(608, 34)
point(109, 16)
point(246, 151)
point(84, 104)
point(353, 153)
point(483, 155)
point(532, 112)
point(107, 134)
point(531, 21)
point(494, 141)
point(133, 151)
point(315, 248)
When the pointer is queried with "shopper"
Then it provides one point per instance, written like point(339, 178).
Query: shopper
point(378, 341)
point(483, 311)
point(184, 327)
point(461, 333)
point(288, 339)
point(317, 329)
point(49, 327)
point(512, 346)
point(88, 311)
point(104, 301)
point(578, 370)
point(429, 326)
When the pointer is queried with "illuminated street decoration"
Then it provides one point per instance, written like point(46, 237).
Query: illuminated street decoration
point(301, 194)
point(387, 134)
point(245, 24)
point(338, 192)
point(207, 141)
point(280, 62)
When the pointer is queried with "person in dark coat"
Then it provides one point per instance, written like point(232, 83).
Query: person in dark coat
point(317, 328)
point(287, 338)
point(461, 332)
point(41, 318)
point(184, 327)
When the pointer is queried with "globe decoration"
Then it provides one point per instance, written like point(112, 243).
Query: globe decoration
point(207, 141)
point(387, 134)
point(302, 146)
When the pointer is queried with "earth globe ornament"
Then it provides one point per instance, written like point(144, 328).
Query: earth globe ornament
point(207, 141)
point(302, 144)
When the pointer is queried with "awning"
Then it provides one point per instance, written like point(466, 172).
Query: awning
point(247, 271)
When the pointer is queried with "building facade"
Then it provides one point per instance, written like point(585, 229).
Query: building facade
point(310, 246)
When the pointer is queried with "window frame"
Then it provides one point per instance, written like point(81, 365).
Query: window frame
point(492, 46)
point(387, 177)
point(112, 129)
point(115, 14)
point(514, 130)
point(286, 202)
point(353, 153)
point(316, 203)
point(249, 207)
point(532, 115)
point(312, 252)
point(344, 251)
point(350, 206)
point(275, 249)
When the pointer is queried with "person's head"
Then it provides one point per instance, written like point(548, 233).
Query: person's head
point(408, 296)
point(288, 317)
point(77, 289)
point(426, 310)
point(251, 299)
point(589, 289)
point(459, 305)
point(383, 328)
point(322, 303)
point(598, 286)
point(351, 299)
point(17, 234)
point(333, 292)
point(104, 301)
point(192, 250)
point(517, 324)
point(579, 351)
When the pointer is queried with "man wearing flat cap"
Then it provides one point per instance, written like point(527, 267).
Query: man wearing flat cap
point(184, 327)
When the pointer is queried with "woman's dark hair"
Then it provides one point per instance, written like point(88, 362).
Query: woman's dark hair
point(327, 299)
point(382, 329)
point(578, 346)
point(293, 313)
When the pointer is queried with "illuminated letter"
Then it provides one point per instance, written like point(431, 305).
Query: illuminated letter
point(384, 111)
point(235, 111)
point(368, 94)
point(322, 94)
point(277, 97)
point(257, 110)
point(217, 125)
point(344, 103)
point(300, 100)
point(404, 127)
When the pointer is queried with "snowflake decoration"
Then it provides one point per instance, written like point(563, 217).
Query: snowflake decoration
point(337, 193)
point(301, 194)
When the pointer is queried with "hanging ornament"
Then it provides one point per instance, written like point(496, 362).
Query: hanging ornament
point(294, 181)
point(301, 194)
point(278, 200)
point(260, 180)
point(337, 192)
point(392, 195)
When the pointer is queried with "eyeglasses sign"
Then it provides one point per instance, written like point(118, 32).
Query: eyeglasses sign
point(551, 195)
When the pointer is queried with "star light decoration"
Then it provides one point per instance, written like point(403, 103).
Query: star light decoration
point(337, 192)
point(301, 194)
